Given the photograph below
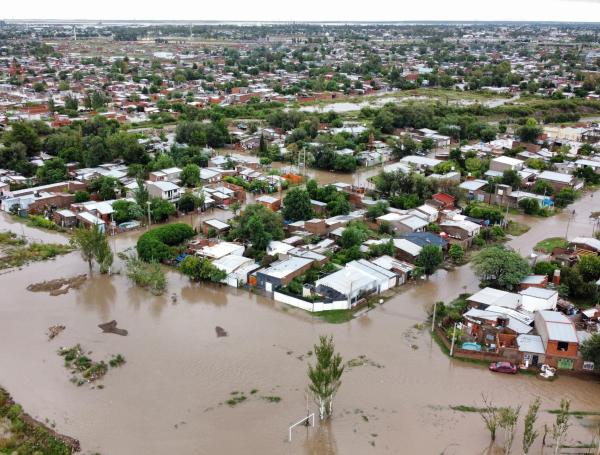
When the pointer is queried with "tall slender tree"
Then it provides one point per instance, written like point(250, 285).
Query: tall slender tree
point(325, 376)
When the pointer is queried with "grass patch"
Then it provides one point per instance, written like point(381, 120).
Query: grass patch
point(148, 275)
point(576, 413)
point(516, 229)
point(465, 408)
point(272, 399)
point(17, 252)
point(28, 436)
point(335, 316)
point(117, 361)
point(43, 223)
point(548, 245)
point(236, 399)
point(83, 368)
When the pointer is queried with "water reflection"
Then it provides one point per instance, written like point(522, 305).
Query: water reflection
point(98, 294)
point(320, 440)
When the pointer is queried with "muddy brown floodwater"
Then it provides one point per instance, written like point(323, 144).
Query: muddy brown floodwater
point(170, 395)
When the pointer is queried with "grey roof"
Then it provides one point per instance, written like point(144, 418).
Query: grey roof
point(530, 343)
point(472, 185)
point(283, 268)
point(514, 324)
point(540, 293)
point(555, 176)
point(559, 327)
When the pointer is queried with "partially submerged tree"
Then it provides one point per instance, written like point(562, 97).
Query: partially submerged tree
point(530, 434)
point(507, 420)
point(93, 245)
point(489, 414)
point(325, 376)
point(561, 425)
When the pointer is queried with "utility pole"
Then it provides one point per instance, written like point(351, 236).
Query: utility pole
point(149, 221)
point(571, 215)
point(433, 318)
point(453, 338)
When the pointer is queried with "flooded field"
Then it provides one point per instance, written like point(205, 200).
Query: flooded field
point(342, 107)
point(170, 395)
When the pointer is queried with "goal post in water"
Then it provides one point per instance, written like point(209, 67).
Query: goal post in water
point(308, 420)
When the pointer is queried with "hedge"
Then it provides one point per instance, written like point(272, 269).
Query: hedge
point(155, 244)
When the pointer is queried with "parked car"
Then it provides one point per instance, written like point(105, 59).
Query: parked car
point(503, 367)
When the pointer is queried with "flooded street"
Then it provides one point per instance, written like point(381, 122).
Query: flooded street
point(170, 395)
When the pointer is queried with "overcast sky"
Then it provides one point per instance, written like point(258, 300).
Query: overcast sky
point(305, 10)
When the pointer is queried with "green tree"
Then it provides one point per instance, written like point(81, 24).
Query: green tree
point(339, 205)
point(376, 210)
point(512, 179)
point(155, 245)
point(52, 171)
point(161, 209)
point(126, 146)
point(590, 350)
point(141, 194)
point(325, 377)
point(93, 245)
point(489, 414)
point(190, 175)
point(543, 187)
point(82, 196)
point(189, 202)
point(429, 259)
point(500, 267)
point(561, 425)
point(456, 253)
point(565, 197)
point(201, 269)
point(258, 225)
point(297, 205)
point(530, 131)
point(589, 267)
point(530, 206)
point(26, 134)
point(530, 434)
point(508, 418)
point(125, 210)
point(353, 236)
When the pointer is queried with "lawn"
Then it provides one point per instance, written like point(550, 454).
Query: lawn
point(547, 245)
point(335, 316)
point(516, 229)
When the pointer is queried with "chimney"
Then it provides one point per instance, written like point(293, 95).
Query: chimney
point(556, 278)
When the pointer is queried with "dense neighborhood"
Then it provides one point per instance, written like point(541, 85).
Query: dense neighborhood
point(328, 169)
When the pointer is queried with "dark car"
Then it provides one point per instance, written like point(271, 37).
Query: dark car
point(503, 367)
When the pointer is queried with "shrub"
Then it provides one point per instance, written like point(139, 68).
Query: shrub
point(530, 206)
point(154, 244)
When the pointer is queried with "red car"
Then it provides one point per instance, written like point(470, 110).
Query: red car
point(503, 367)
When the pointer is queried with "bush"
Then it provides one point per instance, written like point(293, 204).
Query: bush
point(530, 206)
point(154, 244)
point(44, 223)
point(82, 196)
point(147, 275)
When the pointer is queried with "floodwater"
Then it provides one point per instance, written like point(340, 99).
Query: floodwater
point(168, 397)
point(377, 102)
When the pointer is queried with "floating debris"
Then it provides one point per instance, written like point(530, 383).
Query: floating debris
point(54, 331)
point(58, 286)
point(111, 327)
point(221, 332)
